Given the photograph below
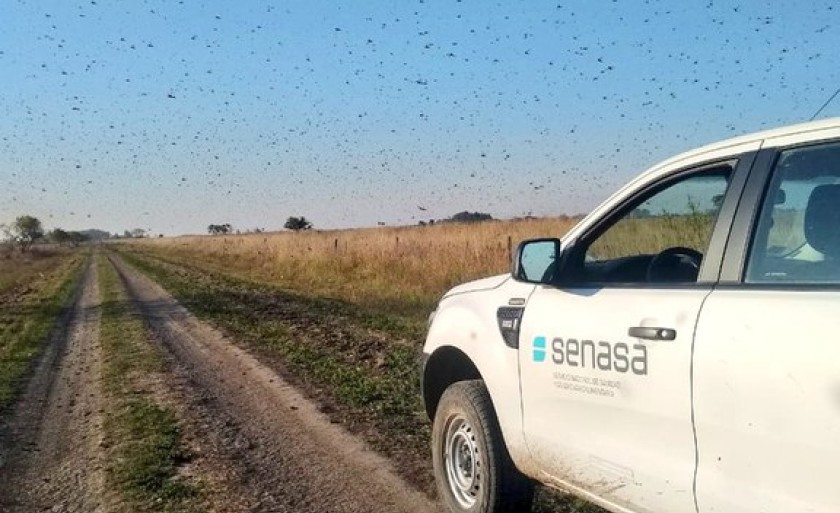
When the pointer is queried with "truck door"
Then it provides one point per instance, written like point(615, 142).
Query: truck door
point(605, 355)
point(767, 351)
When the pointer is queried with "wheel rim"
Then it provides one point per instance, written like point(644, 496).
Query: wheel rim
point(462, 461)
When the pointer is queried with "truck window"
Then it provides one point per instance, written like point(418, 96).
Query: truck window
point(663, 237)
point(797, 238)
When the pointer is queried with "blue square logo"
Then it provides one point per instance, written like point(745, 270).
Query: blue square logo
point(539, 349)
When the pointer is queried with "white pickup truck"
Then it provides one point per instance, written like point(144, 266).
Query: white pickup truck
point(678, 351)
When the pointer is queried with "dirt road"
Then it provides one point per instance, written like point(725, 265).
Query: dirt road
point(256, 443)
point(50, 454)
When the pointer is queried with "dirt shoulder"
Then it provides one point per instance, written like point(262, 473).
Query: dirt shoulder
point(278, 452)
point(52, 459)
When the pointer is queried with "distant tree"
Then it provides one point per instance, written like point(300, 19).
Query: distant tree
point(59, 236)
point(137, 233)
point(219, 229)
point(66, 238)
point(76, 238)
point(94, 234)
point(27, 230)
point(297, 224)
point(641, 213)
point(470, 217)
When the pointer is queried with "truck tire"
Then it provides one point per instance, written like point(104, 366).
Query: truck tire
point(473, 470)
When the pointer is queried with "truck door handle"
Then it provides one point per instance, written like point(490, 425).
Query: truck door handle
point(651, 333)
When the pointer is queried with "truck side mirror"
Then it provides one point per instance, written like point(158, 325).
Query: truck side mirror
point(536, 260)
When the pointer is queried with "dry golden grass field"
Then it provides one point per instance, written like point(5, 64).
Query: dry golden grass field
point(398, 270)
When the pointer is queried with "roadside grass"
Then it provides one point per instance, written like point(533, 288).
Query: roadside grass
point(143, 436)
point(31, 304)
point(311, 306)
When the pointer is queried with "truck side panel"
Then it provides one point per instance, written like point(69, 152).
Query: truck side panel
point(767, 402)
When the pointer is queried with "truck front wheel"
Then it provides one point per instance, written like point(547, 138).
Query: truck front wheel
point(472, 467)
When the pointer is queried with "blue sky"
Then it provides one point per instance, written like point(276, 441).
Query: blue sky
point(171, 116)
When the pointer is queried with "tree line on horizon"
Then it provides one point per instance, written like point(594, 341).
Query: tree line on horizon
point(26, 231)
point(293, 223)
point(461, 217)
point(300, 223)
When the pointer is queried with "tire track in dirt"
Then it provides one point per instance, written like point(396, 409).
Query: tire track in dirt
point(50, 447)
point(280, 453)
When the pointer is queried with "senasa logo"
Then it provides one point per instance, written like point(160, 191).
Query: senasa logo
point(586, 353)
point(539, 349)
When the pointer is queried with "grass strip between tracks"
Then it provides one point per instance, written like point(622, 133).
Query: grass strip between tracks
point(27, 316)
point(142, 435)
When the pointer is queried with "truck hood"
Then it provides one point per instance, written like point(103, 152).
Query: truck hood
point(477, 285)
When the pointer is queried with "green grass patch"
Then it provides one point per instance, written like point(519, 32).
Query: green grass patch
point(28, 314)
point(143, 436)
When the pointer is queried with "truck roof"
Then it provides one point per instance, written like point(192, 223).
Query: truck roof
point(798, 128)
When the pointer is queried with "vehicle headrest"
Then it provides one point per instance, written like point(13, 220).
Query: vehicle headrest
point(822, 220)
